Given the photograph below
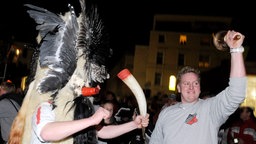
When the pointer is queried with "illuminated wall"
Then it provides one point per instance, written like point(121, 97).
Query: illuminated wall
point(250, 99)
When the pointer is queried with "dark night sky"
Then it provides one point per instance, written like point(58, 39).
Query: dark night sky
point(130, 21)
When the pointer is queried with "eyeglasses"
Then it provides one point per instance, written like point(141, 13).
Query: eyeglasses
point(188, 84)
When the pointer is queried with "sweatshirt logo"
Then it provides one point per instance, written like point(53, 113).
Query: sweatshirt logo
point(191, 119)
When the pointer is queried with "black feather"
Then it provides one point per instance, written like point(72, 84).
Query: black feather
point(58, 50)
point(93, 39)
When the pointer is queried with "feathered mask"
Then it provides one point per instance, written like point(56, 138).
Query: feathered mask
point(65, 39)
point(73, 53)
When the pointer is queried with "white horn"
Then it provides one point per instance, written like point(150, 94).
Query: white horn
point(132, 83)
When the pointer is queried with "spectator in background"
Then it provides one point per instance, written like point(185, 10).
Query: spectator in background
point(108, 105)
point(129, 109)
point(111, 96)
point(10, 103)
point(223, 130)
point(170, 100)
point(243, 130)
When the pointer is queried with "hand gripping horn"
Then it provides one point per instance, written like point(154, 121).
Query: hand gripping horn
point(132, 83)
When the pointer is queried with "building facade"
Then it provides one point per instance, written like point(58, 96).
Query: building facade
point(175, 41)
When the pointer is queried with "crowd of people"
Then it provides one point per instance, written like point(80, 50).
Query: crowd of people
point(187, 119)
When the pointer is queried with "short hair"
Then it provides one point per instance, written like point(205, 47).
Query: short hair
point(187, 69)
point(9, 87)
point(247, 108)
point(103, 102)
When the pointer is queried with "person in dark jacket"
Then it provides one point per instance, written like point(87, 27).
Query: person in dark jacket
point(10, 103)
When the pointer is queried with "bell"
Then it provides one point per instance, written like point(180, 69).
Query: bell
point(218, 40)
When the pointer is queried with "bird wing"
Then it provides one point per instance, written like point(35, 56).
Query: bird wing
point(58, 51)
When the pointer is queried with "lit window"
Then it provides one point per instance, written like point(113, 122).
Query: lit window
point(183, 39)
point(204, 61)
point(172, 83)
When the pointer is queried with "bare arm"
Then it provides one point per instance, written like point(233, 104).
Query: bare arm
point(117, 130)
point(237, 61)
point(55, 131)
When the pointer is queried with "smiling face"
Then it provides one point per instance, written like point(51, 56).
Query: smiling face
point(189, 87)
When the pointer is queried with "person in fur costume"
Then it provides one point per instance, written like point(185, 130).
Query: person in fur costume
point(67, 69)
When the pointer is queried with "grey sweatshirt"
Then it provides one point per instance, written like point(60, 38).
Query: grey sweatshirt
point(175, 124)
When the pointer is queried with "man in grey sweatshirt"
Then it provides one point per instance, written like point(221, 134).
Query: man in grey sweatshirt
point(197, 121)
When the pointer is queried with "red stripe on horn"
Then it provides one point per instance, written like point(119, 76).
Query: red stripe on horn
point(123, 74)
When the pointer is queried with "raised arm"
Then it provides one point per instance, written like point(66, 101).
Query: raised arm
point(235, 40)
